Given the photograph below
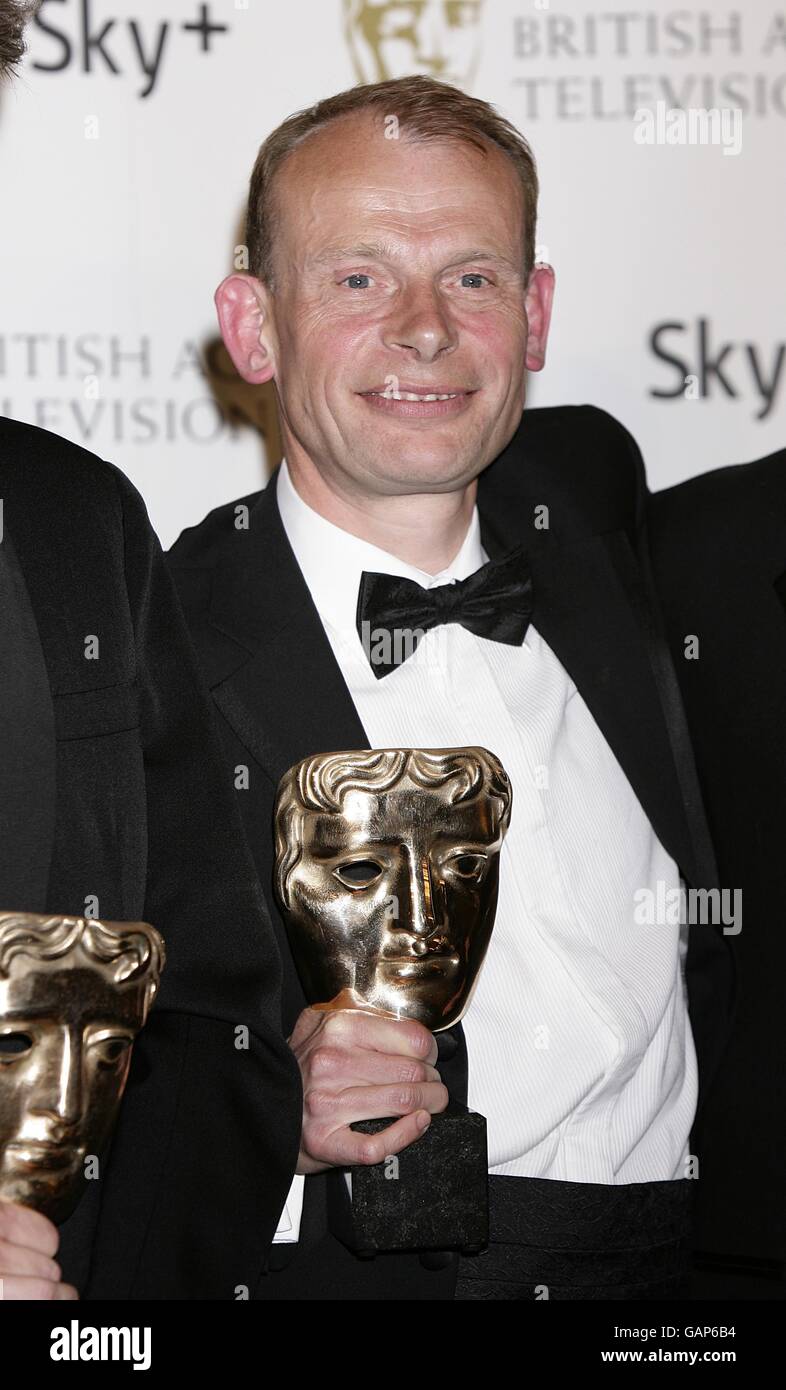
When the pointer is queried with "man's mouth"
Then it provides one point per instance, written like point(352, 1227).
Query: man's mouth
point(417, 402)
point(416, 395)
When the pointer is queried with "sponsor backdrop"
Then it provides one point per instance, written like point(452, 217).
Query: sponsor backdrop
point(126, 145)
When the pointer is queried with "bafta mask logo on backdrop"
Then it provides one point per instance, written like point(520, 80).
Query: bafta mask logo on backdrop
point(387, 870)
point(74, 993)
point(401, 38)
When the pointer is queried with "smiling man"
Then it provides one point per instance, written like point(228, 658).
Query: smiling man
point(395, 302)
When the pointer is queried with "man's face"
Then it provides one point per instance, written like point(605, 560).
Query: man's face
point(394, 900)
point(398, 266)
point(66, 1035)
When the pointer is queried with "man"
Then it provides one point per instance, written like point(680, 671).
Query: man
point(395, 302)
point(719, 557)
point(113, 804)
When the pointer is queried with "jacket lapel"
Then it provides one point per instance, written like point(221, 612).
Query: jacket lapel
point(284, 695)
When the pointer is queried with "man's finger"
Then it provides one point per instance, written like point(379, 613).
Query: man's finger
point(402, 1037)
point(18, 1287)
point(336, 1068)
point(349, 1148)
point(23, 1226)
point(20, 1259)
point(330, 1110)
point(307, 1023)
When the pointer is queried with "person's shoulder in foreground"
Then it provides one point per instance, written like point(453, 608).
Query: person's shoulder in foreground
point(208, 1129)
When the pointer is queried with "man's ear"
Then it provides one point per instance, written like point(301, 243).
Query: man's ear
point(243, 314)
point(540, 293)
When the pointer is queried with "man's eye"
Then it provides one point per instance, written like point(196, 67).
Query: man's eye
point(473, 275)
point(359, 873)
point(14, 1045)
point(357, 276)
point(111, 1049)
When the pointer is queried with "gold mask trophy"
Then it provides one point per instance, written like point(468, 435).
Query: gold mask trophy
point(74, 993)
point(387, 871)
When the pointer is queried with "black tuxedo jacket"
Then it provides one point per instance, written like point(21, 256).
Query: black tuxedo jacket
point(112, 789)
point(718, 545)
point(280, 695)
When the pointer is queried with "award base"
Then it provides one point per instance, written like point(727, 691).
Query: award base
point(431, 1196)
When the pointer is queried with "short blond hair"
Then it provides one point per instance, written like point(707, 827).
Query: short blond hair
point(425, 109)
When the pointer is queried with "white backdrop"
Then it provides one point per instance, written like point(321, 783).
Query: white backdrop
point(125, 149)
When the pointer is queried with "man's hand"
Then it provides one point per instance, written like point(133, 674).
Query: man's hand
point(28, 1244)
point(356, 1066)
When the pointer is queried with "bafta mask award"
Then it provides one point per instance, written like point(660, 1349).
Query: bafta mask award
point(387, 872)
point(74, 993)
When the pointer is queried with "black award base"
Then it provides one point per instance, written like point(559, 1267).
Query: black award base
point(431, 1196)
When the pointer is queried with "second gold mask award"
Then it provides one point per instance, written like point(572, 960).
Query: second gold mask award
point(387, 872)
point(74, 993)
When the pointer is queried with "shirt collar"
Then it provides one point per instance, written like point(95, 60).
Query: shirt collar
point(332, 559)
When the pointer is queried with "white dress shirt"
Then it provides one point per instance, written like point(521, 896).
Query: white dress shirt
point(580, 1049)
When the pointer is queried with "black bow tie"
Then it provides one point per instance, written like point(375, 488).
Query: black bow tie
point(393, 613)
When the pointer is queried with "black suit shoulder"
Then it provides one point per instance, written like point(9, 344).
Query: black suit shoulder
point(578, 459)
point(739, 510)
point(587, 434)
point(86, 548)
point(58, 494)
point(210, 541)
point(219, 539)
point(586, 445)
point(43, 467)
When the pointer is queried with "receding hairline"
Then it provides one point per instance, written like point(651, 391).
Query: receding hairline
point(474, 140)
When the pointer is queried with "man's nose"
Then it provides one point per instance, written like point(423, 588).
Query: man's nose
point(421, 323)
point(60, 1092)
